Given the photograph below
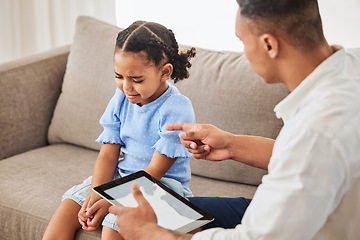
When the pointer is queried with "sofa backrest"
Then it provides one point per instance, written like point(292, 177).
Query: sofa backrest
point(222, 87)
point(88, 85)
point(225, 92)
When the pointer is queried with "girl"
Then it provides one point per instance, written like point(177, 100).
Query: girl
point(145, 56)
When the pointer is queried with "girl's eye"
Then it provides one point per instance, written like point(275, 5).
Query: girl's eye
point(137, 81)
point(119, 77)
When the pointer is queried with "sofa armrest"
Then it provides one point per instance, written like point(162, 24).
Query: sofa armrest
point(29, 89)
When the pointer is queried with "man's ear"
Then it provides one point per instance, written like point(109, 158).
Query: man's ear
point(271, 45)
point(166, 71)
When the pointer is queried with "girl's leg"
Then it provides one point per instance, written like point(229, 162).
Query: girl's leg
point(110, 234)
point(64, 223)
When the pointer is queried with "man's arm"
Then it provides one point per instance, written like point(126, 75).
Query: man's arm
point(252, 150)
point(160, 233)
point(208, 142)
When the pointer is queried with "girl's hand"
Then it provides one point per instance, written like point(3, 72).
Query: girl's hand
point(96, 214)
point(84, 215)
point(91, 212)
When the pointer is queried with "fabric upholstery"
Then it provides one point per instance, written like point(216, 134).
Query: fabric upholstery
point(88, 85)
point(207, 187)
point(225, 92)
point(43, 175)
point(29, 89)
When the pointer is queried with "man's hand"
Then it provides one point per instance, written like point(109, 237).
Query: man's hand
point(204, 141)
point(135, 223)
point(140, 223)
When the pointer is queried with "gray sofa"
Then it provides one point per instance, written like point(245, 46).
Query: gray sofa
point(50, 105)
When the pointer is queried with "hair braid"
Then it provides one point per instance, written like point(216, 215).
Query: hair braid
point(152, 37)
point(180, 60)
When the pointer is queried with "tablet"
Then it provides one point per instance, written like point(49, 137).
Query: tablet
point(173, 211)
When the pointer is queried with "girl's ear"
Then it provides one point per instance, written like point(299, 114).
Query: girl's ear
point(270, 44)
point(166, 71)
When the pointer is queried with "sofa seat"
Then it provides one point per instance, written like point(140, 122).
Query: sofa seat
point(205, 187)
point(34, 182)
point(30, 179)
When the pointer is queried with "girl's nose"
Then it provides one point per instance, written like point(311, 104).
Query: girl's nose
point(127, 85)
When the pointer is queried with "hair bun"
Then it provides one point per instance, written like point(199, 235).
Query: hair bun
point(181, 64)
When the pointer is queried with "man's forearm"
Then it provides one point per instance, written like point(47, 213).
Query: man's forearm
point(160, 233)
point(252, 150)
point(180, 236)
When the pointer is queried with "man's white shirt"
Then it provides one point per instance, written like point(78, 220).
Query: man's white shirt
point(312, 189)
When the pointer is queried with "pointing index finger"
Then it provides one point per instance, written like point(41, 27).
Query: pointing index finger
point(180, 126)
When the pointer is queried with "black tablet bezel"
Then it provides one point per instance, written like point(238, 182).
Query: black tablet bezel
point(102, 188)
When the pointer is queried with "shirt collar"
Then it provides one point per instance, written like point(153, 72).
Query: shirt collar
point(291, 104)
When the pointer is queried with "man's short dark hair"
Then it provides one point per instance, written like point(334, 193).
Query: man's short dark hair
point(298, 22)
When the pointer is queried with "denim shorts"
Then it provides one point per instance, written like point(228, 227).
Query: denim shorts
point(79, 193)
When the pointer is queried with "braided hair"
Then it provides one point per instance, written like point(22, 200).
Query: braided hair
point(159, 43)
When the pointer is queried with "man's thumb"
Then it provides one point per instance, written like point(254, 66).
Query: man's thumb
point(116, 210)
point(192, 135)
point(136, 192)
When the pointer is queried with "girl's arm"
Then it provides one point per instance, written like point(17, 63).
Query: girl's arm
point(105, 164)
point(103, 172)
point(159, 165)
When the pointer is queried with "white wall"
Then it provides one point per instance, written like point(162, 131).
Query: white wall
point(341, 21)
point(31, 26)
point(210, 24)
point(200, 23)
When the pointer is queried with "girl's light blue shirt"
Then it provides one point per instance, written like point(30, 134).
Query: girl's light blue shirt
point(140, 130)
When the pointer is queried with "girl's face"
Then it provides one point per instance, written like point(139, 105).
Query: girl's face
point(141, 81)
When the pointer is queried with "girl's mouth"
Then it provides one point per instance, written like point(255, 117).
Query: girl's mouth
point(132, 96)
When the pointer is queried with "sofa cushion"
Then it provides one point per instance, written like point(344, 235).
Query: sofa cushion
point(225, 92)
point(32, 185)
point(88, 84)
point(206, 187)
point(29, 90)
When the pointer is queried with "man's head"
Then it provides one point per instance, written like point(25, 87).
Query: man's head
point(298, 22)
point(279, 36)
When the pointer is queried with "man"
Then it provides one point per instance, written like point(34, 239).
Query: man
point(312, 189)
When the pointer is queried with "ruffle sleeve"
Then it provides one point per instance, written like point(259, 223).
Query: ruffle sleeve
point(177, 109)
point(109, 137)
point(110, 120)
point(169, 144)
